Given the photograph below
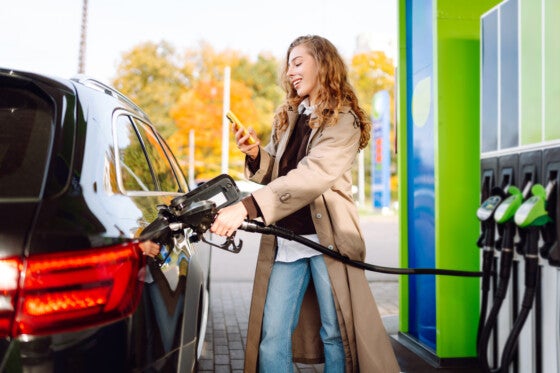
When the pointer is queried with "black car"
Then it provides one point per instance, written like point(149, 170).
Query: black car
point(82, 171)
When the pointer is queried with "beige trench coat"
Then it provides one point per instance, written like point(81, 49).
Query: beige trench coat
point(323, 180)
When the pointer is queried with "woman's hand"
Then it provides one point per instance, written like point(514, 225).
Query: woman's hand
point(229, 219)
point(149, 248)
point(241, 137)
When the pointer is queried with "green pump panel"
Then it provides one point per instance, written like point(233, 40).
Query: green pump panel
point(478, 110)
point(438, 157)
point(520, 141)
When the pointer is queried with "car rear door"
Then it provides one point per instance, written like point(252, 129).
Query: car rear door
point(146, 165)
point(27, 129)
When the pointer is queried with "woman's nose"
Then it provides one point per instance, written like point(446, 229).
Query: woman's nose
point(290, 72)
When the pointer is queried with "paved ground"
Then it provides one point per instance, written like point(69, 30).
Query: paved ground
point(227, 325)
point(231, 286)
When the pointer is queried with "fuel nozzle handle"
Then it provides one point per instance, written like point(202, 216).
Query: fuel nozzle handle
point(504, 216)
point(485, 214)
point(533, 214)
point(533, 211)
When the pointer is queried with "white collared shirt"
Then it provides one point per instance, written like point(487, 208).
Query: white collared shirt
point(288, 250)
point(305, 108)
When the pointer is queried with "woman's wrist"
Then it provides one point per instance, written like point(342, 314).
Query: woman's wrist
point(254, 154)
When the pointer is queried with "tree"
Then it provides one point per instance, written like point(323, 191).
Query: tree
point(200, 108)
point(370, 73)
point(262, 78)
point(184, 92)
point(150, 76)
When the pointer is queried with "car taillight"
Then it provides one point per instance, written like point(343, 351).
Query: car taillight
point(9, 277)
point(72, 290)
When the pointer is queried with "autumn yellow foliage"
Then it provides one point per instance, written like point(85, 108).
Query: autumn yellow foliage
point(185, 92)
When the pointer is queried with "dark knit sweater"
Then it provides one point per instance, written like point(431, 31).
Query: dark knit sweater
point(299, 222)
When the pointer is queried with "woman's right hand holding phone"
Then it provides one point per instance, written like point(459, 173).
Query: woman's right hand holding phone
point(242, 139)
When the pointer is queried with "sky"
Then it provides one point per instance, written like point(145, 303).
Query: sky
point(44, 36)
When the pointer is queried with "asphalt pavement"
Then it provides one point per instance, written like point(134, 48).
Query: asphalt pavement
point(231, 283)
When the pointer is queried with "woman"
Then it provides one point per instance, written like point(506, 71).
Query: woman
point(306, 169)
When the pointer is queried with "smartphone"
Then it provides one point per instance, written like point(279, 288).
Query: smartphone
point(238, 125)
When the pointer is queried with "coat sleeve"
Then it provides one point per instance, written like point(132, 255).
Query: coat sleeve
point(332, 151)
point(267, 157)
point(264, 172)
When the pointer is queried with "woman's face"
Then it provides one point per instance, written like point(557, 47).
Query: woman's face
point(303, 73)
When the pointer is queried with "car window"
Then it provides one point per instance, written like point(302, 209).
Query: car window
point(175, 164)
point(134, 170)
point(163, 171)
point(26, 128)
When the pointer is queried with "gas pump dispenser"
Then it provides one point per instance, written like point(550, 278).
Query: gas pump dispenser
point(529, 217)
point(504, 217)
point(532, 216)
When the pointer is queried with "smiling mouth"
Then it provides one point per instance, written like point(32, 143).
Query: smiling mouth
point(296, 83)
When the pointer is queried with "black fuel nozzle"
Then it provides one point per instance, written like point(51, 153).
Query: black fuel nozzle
point(504, 218)
point(173, 219)
point(198, 215)
point(195, 210)
point(159, 230)
point(522, 242)
point(487, 241)
point(521, 231)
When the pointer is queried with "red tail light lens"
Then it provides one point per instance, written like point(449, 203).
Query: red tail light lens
point(9, 278)
point(73, 290)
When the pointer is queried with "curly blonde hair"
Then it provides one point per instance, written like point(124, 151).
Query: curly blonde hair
point(334, 89)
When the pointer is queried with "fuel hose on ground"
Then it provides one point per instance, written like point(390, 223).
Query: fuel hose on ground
point(258, 227)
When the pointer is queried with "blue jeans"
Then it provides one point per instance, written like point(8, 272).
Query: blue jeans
point(286, 287)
